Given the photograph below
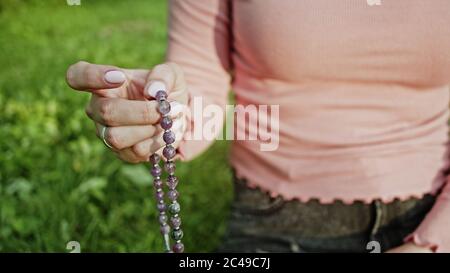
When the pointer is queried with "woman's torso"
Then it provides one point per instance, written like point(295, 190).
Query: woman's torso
point(362, 90)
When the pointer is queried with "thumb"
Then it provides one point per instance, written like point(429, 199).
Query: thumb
point(167, 77)
point(90, 77)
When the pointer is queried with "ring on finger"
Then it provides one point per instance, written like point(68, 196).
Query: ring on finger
point(103, 136)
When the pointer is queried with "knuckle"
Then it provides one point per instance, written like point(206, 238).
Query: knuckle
point(157, 145)
point(88, 111)
point(135, 161)
point(113, 137)
point(127, 158)
point(140, 149)
point(123, 157)
point(149, 115)
point(90, 75)
point(106, 112)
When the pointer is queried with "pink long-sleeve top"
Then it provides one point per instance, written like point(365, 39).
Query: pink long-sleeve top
point(363, 95)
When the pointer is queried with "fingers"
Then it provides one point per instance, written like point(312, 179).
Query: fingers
point(170, 78)
point(126, 136)
point(117, 103)
point(129, 156)
point(85, 76)
point(123, 112)
point(155, 144)
point(136, 143)
point(143, 149)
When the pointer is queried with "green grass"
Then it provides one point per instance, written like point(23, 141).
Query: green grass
point(57, 181)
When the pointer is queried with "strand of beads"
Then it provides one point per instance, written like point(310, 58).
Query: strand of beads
point(172, 181)
point(174, 209)
point(159, 194)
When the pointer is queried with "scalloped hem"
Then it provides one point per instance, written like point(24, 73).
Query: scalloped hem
point(324, 200)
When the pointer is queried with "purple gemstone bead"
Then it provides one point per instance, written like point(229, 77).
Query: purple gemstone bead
point(165, 229)
point(173, 195)
point(162, 219)
point(164, 107)
point(169, 152)
point(172, 182)
point(155, 158)
point(169, 137)
point(166, 123)
point(175, 222)
point(161, 207)
point(157, 183)
point(170, 168)
point(178, 248)
point(161, 95)
point(159, 195)
point(156, 171)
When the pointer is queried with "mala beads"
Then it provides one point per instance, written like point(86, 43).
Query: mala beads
point(169, 224)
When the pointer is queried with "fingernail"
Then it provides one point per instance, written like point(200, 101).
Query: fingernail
point(155, 87)
point(115, 76)
point(176, 108)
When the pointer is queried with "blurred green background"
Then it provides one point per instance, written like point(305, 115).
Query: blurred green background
point(58, 182)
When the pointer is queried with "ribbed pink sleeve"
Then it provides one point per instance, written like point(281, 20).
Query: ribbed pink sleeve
point(199, 43)
point(433, 232)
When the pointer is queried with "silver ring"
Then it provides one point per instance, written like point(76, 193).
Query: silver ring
point(104, 139)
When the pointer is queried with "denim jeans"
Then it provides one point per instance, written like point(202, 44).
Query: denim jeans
point(260, 223)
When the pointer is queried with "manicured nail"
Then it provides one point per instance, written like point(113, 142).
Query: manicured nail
point(155, 87)
point(115, 76)
point(175, 109)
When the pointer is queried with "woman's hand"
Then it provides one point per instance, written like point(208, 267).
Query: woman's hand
point(123, 108)
point(409, 248)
